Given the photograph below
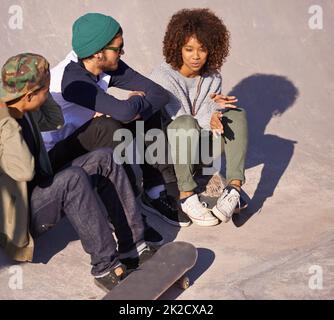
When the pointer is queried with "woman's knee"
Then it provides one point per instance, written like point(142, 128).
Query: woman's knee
point(185, 122)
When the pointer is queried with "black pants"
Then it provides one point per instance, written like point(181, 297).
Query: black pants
point(99, 133)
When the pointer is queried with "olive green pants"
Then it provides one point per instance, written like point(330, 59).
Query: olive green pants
point(189, 144)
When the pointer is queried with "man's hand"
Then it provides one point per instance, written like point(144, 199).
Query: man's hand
point(136, 93)
point(216, 124)
point(224, 101)
point(98, 114)
point(2, 105)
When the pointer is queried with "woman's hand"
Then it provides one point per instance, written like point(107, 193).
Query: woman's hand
point(224, 101)
point(98, 114)
point(216, 124)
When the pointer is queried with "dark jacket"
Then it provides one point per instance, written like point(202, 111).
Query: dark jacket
point(80, 86)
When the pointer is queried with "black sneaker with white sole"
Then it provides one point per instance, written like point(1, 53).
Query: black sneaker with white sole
point(166, 208)
point(133, 263)
point(111, 279)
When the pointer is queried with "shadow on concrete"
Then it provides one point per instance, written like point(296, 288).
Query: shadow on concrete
point(265, 96)
point(204, 261)
point(46, 246)
point(5, 261)
point(54, 241)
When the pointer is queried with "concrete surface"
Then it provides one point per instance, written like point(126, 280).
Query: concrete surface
point(282, 72)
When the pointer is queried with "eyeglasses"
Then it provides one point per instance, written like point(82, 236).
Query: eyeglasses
point(115, 49)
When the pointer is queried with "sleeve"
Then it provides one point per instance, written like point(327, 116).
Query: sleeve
point(126, 78)
point(15, 157)
point(216, 86)
point(204, 118)
point(174, 107)
point(91, 96)
point(49, 116)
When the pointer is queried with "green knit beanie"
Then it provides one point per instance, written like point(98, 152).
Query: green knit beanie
point(91, 32)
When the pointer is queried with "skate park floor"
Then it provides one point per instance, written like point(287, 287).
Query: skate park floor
point(281, 69)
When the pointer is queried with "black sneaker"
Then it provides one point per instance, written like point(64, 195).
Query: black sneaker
point(111, 279)
point(166, 208)
point(134, 263)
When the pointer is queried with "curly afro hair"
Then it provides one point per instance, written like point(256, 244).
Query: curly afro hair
point(209, 30)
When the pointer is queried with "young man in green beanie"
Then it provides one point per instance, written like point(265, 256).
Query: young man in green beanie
point(79, 85)
point(71, 191)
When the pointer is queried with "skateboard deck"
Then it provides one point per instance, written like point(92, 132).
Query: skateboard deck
point(150, 280)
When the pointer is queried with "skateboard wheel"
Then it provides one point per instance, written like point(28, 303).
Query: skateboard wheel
point(184, 283)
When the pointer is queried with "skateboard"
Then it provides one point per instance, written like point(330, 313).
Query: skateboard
point(168, 266)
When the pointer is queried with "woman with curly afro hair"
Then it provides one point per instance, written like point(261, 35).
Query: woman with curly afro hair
point(195, 46)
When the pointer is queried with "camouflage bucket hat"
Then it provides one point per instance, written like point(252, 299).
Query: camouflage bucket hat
point(21, 74)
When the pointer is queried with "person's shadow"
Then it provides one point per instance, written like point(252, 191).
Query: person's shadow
point(265, 96)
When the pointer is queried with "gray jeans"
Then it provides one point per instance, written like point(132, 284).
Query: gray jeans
point(91, 191)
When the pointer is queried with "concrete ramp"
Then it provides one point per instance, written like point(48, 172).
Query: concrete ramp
point(281, 68)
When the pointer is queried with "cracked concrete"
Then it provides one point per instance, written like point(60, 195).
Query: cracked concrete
point(282, 72)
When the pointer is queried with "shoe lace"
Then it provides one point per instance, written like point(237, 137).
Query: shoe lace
point(229, 201)
point(163, 199)
point(204, 204)
point(199, 207)
point(166, 203)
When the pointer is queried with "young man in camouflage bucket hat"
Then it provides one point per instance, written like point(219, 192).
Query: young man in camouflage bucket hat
point(71, 191)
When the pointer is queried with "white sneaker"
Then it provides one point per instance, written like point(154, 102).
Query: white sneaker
point(227, 204)
point(198, 213)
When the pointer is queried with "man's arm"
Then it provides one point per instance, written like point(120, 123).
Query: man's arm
point(88, 94)
point(49, 116)
point(78, 86)
point(15, 157)
point(156, 97)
